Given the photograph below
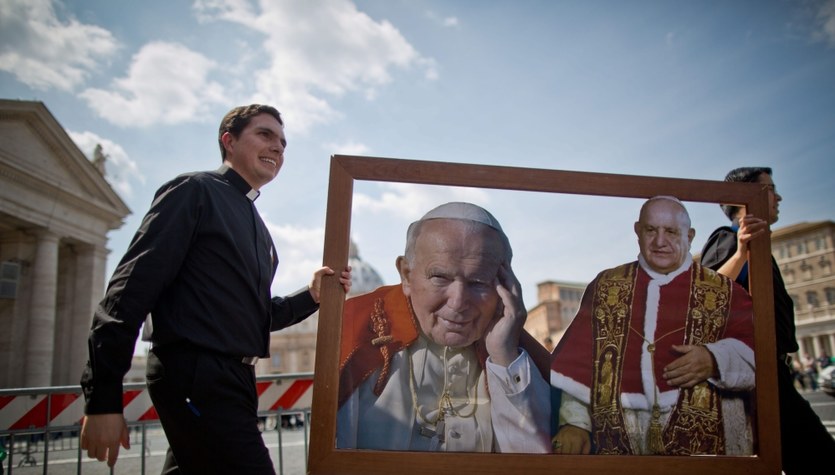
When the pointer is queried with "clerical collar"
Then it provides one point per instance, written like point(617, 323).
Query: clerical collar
point(665, 278)
point(238, 182)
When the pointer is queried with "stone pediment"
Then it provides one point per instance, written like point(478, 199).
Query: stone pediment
point(39, 162)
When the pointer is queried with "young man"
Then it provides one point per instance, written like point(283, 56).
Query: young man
point(201, 264)
point(806, 444)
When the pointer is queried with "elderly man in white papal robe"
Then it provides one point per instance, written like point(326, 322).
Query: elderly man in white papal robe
point(441, 362)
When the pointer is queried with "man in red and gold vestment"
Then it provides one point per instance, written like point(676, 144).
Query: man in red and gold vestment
point(659, 359)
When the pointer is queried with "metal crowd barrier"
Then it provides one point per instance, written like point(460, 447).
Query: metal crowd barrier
point(41, 426)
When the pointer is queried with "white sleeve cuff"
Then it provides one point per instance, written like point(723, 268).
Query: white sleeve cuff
point(735, 361)
point(515, 377)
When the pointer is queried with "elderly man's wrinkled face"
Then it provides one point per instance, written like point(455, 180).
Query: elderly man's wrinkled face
point(452, 280)
point(664, 235)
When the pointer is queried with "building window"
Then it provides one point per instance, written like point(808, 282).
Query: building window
point(9, 279)
point(781, 252)
point(801, 248)
point(788, 275)
point(820, 243)
point(812, 299)
point(796, 302)
point(830, 295)
point(826, 266)
point(806, 269)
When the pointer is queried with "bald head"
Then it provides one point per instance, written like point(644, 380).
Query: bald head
point(664, 233)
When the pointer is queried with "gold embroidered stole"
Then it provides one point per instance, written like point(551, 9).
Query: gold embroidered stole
point(611, 311)
point(695, 424)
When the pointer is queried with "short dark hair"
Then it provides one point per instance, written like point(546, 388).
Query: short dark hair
point(742, 175)
point(236, 120)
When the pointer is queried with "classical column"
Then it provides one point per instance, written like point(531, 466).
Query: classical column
point(89, 290)
point(817, 349)
point(41, 328)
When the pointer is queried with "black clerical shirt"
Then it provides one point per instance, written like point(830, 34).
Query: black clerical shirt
point(201, 264)
point(720, 246)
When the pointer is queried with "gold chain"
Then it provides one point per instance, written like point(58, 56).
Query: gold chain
point(445, 399)
point(654, 442)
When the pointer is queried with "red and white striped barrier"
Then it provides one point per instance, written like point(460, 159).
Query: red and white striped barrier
point(29, 411)
point(285, 394)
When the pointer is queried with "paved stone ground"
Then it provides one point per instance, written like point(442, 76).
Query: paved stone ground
point(63, 458)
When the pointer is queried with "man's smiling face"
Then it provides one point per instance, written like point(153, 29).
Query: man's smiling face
point(451, 280)
point(257, 154)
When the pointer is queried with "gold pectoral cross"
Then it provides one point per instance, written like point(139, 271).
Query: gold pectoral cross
point(436, 432)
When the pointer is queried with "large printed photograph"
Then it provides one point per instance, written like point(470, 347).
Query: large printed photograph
point(472, 340)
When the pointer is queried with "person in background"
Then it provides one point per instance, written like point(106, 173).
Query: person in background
point(824, 360)
point(806, 444)
point(441, 362)
point(797, 374)
point(810, 369)
point(201, 264)
point(659, 359)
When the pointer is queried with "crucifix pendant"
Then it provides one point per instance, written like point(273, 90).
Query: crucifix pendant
point(437, 432)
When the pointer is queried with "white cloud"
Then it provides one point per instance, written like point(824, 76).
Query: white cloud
point(826, 15)
point(43, 51)
point(299, 238)
point(347, 148)
point(167, 83)
point(237, 11)
point(450, 21)
point(299, 252)
point(409, 201)
point(318, 50)
point(447, 22)
point(120, 170)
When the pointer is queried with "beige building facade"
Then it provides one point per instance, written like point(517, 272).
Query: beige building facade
point(557, 303)
point(805, 253)
point(56, 209)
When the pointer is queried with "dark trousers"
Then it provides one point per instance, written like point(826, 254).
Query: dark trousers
point(208, 406)
point(806, 444)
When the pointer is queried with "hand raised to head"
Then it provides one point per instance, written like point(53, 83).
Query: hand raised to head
point(502, 338)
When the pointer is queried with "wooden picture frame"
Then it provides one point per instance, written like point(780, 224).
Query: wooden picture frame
point(325, 458)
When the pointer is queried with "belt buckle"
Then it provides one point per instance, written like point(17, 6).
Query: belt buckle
point(787, 359)
point(249, 360)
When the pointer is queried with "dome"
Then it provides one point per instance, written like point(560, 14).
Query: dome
point(363, 277)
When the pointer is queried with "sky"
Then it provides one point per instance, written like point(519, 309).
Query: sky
point(675, 88)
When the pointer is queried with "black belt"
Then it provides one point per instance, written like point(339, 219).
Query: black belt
point(785, 358)
point(250, 360)
point(186, 346)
